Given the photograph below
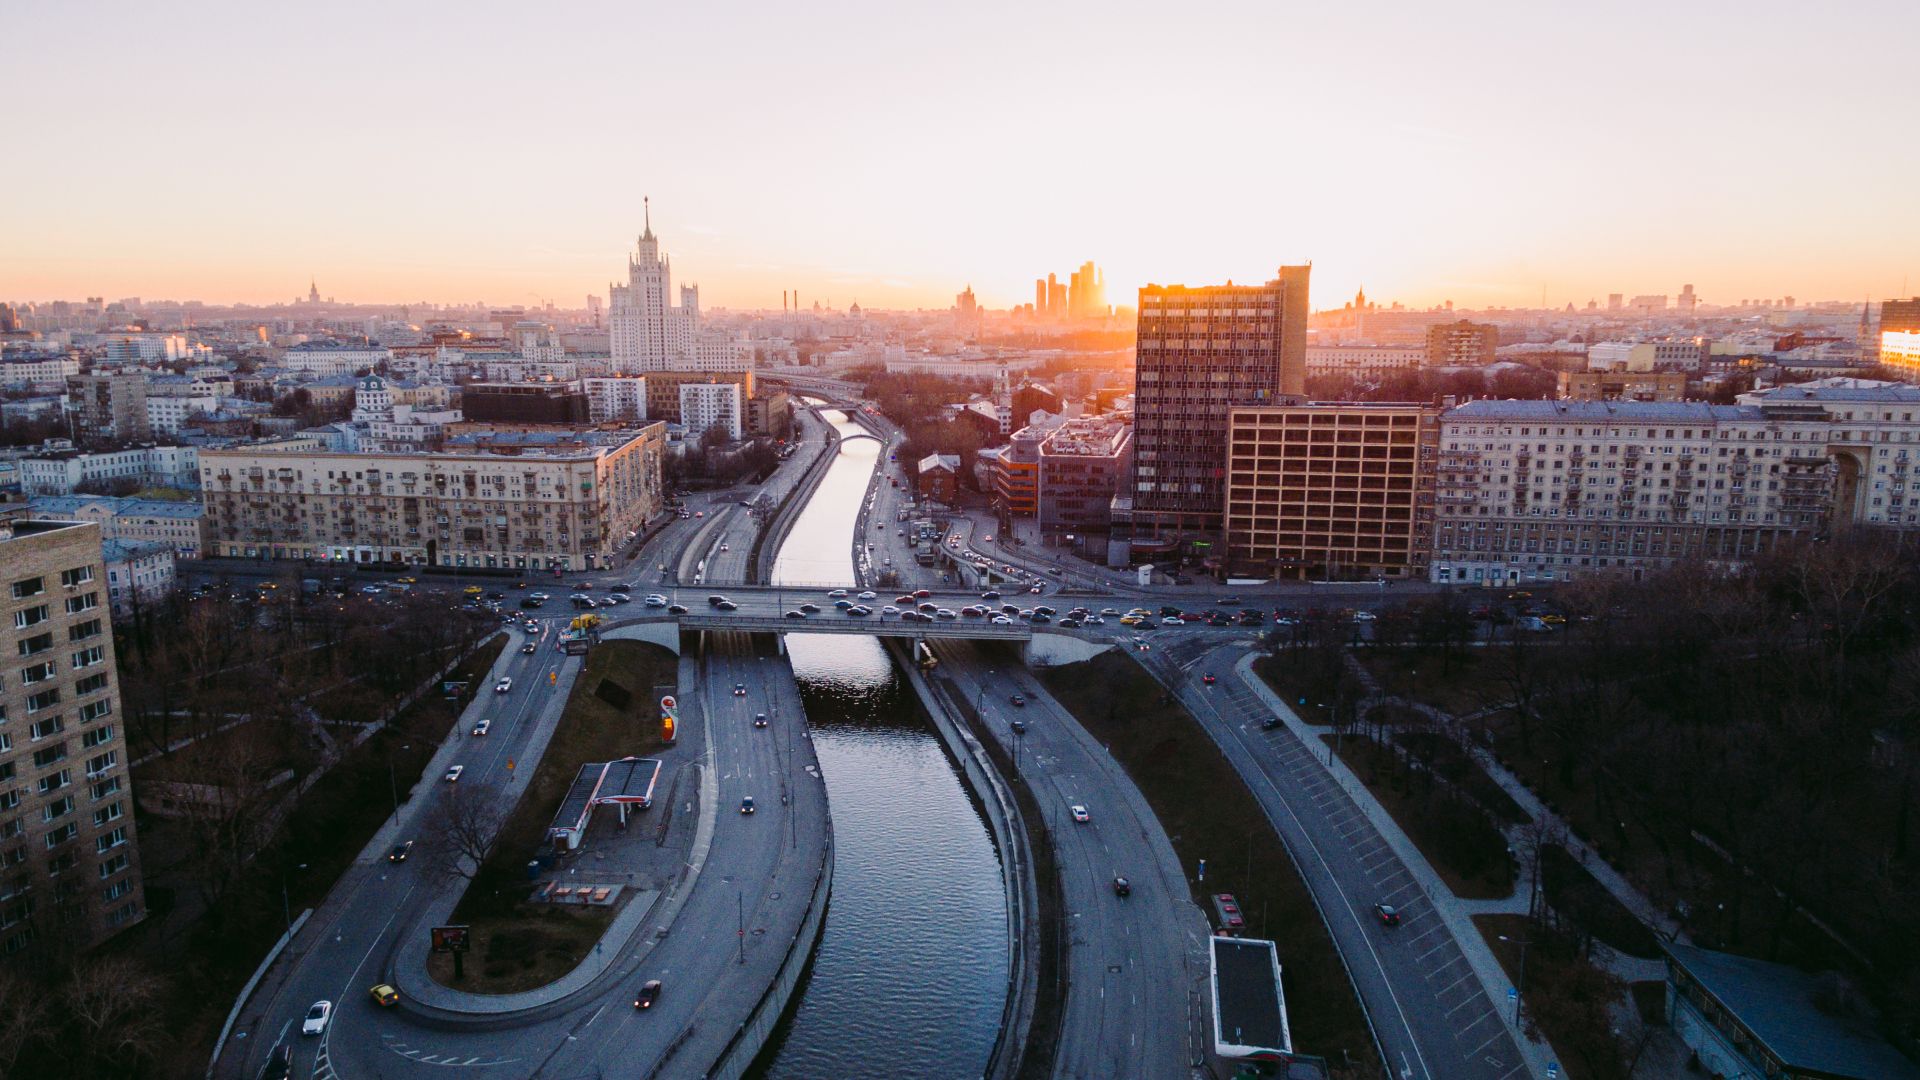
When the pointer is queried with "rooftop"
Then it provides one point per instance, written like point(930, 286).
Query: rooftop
point(1697, 412)
point(1249, 1009)
point(1776, 1003)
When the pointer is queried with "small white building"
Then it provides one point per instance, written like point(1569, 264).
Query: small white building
point(140, 573)
point(704, 406)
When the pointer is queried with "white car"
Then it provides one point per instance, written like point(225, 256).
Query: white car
point(1002, 620)
point(889, 610)
point(505, 684)
point(837, 594)
point(317, 1017)
point(656, 600)
point(867, 596)
point(483, 727)
point(1364, 616)
point(1173, 620)
point(1080, 815)
point(453, 777)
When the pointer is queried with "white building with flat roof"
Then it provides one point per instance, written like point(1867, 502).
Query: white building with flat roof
point(704, 406)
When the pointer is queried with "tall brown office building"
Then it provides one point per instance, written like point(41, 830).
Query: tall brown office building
point(69, 869)
point(1202, 351)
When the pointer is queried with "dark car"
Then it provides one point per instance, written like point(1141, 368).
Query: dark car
point(810, 609)
point(400, 851)
point(990, 594)
point(1389, 915)
point(279, 1064)
point(676, 609)
point(739, 689)
point(1121, 887)
point(727, 605)
point(746, 805)
point(1269, 723)
point(1169, 609)
point(1018, 699)
point(760, 719)
point(796, 614)
point(1208, 678)
point(716, 601)
point(530, 647)
point(649, 993)
point(1019, 727)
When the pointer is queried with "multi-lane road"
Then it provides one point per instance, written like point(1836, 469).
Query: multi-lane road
point(1136, 964)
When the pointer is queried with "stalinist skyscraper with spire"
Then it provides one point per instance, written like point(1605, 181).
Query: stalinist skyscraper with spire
point(647, 332)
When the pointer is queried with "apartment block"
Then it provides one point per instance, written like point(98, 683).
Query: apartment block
point(110, 406)
point(1330, 491)
point(706, 406)
point(616, 399)
point(1362, 361)
point(1623, 385)
point(1462, 344)
point(1083, 464)
point(1900, 337)
point(547, 500)
point(663, 389)
point(69, 865)
point(1200, 352)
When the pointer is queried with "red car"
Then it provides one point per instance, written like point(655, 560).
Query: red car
point(1207, 678)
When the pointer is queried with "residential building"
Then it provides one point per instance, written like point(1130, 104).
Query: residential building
point(140, 574)
point(1083, 464)
point(706, 406)
point(770, 414)
point(525, 403)
point(62, 471)
point(937, 478)
point(110, 406)
point(1872, 431)
point(69, 864)
point(1462, 344)
point(327, 358)
point(548, 500)
point(1330, 491)
point(38, 369)
point(1363, 361)
point(648, 332)
point(1688, 355)
point(1029, 398)
point(1623, 385)
point(618, 398)
point(1553, 490)
point(1015, 471)
point(177, 524)
point(1200, 352)
point(663, 389)
point(168, 413)
point(1748, 1019)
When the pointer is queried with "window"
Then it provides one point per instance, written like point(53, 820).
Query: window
point(79, 575)
point(94, 710)
point(34, 673)
point(116, 890)
point(78, 604)
point(113, 866)
point(106, 842)
point(89, 657)
point(102, 762)
point(57, 809)
point(90, 684)
point(81, 631)
point(54, 781)
point(26, 587)
point(109, 813)
point(37, 644)
point(32, 616)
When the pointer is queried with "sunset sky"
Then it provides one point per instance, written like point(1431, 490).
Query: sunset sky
point(893, 153)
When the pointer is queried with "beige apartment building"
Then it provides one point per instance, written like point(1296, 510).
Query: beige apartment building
point(1330, 491)
point(528, 500)
point(1623, 385)
point(69, 866)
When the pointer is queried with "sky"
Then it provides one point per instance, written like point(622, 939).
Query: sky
point(892, 154)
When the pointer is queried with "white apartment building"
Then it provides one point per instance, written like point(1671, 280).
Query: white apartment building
point(1646, 355)
point(165, 415)
point(333, 359)
point(175, 524)
point(140, 573)
point(616, 398)
point(38, 369)
point(704, 406)
point(1363, 361)
point(62, 471)
point(1553, 490)
point(647, 332)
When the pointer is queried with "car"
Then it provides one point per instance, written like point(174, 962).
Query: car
point(843, 604)
point(453, 773)
point(1043, 609)
point(759, 719)
point(482, 726)
point(905, 600)
point(1109, 612)
point(726, 605)
point(617, 598)
point(543, 597)
point(496, 596)
point(1173, 620)
point(739, 689)
point(859, 611)
point(1121, 887)
point(838, 594)
point(372, 590)
point(649, 993)
point(889, 610)
point(945, 613)
point(1095, 620)
point(1229, 601)
point(810, 609)
point(716, 601)
point(530, 647)
point(279, 1063)
point(1388, 914)
point(400, 851)
point(397, 581)
point(1364, 616)
point(1207, 678)
point(1018, 700)
point(504, 685)
point(929, 607)
point(1002, 620)
point(656, 600)
point(724, 547)
point(1019, 726)
point(1131, 620)
point(746, 805)
point(1037, 617)
point(1079, 813)
point(1269, 723)
point(317, 1017)
point(529, 604)
point(866, 596)
point(383, 995)
point(796, 614)
point(472, 590)
point(990, 594)
point(676, 609)
point(922, 594)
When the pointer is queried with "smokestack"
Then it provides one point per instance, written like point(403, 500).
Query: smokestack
point(783, 301)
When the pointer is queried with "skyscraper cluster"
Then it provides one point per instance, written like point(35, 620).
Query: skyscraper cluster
point(1082, 296)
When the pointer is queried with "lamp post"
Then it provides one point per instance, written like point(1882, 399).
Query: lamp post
point(393, 785)
point(286, 907)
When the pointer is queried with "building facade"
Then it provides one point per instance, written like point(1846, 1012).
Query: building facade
point(108, 406)
point(1900, 337)
point(1331, 491)
point(140, 574)
point(62, 472)
point(1623, 385)
point(1200, 352)
point(532, 501)
point(524, 403)
point(69, 864)
point(663, 390)
point(647, 332)
point(1362, 361)
point(706, 406)
point(1083, 463)
point(1462, 344)
point(618, 398)
point(178, 525)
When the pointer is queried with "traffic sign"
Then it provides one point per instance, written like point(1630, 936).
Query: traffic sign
point(1553, 1069)
point(1512, 994)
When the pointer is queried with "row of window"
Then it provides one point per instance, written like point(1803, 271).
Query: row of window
point(34, 586)
point(39, 613)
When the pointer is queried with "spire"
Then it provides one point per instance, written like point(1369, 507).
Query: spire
point(646, 203)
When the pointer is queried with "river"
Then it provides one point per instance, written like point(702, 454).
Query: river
point(911, 972)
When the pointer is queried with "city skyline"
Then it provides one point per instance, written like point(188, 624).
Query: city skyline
point(1466, 164)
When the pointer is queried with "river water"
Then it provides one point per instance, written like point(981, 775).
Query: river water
point(911, 972)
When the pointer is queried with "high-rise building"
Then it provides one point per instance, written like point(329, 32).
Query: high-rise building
point(965, 306)
point(1200, 352)
point(706, 406)
point(1462, 344)
point(646, 332)
point(1900, 336)
point(1040, 297)
point(1086, 293)
point(110, 406)
point(1056, 298)
point(1688, 301)
point(71, 867)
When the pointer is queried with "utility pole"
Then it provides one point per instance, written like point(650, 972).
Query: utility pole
point(740, 899)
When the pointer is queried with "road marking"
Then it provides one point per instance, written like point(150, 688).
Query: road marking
point(1454, 983)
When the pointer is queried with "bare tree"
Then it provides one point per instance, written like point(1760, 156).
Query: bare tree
point(466, 829)
point(23, 1012)
point(113, 1005)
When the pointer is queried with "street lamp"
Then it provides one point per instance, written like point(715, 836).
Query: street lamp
point(393, 785)
point(286, 908)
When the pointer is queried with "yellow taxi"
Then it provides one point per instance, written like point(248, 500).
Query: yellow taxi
point(472, 590)
point(384, 996)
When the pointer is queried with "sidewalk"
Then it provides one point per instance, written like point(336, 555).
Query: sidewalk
point(1456, 914)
